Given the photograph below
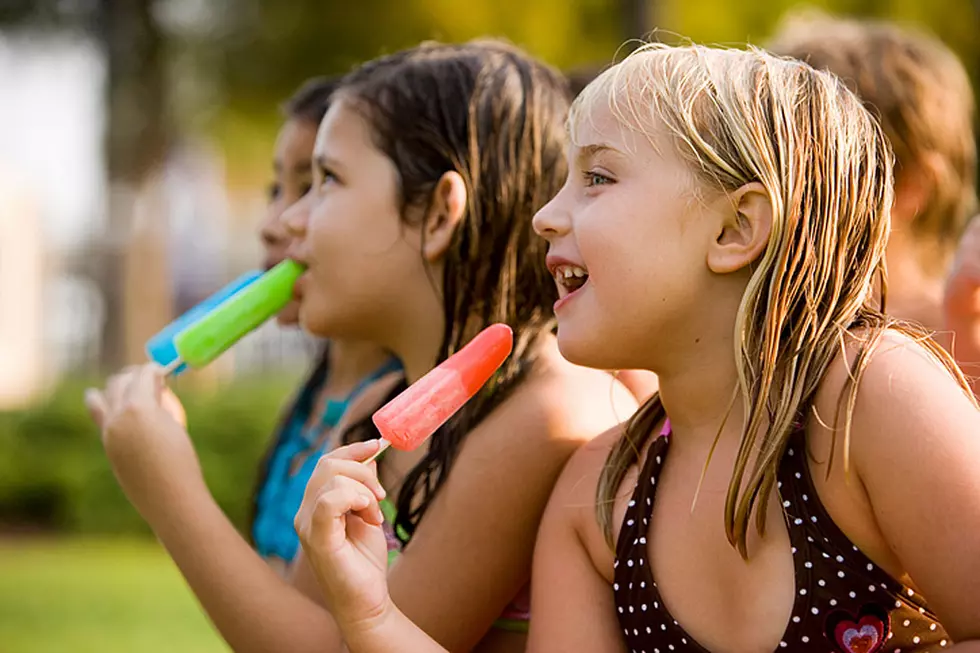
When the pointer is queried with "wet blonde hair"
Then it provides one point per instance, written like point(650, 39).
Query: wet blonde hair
point(742, 116)
point(921, 94)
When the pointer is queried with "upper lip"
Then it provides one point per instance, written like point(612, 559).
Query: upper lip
point(554, 262)
point(293, 253)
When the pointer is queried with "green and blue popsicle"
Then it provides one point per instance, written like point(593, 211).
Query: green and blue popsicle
point(210, 336)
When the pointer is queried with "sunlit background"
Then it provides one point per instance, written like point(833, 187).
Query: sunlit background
point(135, 146)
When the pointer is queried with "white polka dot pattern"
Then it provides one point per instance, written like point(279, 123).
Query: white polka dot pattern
point(844, 602)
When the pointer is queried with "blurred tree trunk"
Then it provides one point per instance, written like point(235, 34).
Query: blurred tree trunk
point(133, 279)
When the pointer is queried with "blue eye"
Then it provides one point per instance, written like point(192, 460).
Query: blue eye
point(596, 179)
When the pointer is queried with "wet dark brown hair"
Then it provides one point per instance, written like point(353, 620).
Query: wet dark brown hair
point(311, 100)
point(489, 112)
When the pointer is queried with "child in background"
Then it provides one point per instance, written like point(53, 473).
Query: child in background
point(344, 368)
point(817, 484)
point(921, 94)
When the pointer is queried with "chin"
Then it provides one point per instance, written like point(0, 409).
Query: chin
point(289, 316)
point(580, 351)
point(311, 321)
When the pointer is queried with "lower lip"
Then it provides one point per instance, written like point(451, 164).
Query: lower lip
point(567, 298)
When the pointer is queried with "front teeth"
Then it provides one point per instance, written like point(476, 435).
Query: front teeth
point(569, 272)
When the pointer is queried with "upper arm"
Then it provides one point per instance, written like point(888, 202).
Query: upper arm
point(471, 554)
point(916, 450)
point(572, 601)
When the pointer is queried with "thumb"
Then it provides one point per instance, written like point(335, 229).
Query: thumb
point(97, 407)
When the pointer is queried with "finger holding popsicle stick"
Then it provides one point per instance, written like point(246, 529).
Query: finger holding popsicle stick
point(409, 419)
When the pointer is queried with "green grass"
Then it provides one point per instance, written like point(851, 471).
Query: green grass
point(97, 595)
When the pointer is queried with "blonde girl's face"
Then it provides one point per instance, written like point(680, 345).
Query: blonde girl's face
point(628, 237)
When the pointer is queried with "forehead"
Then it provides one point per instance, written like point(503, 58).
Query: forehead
point(343, 131)
point(611, 115)
point(294, 143)
point(601, 122)
point(640, 147)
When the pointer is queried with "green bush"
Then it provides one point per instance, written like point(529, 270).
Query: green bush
point(54, 474)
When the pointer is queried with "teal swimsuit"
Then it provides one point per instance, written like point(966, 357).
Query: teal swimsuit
point(282, 492)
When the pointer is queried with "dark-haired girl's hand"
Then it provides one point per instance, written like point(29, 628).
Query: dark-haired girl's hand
point(340, 527)
point(143, 433)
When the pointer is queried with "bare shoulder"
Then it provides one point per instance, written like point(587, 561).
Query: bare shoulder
point(901, 378)
point(558, 408)
point(581, 403)
point(575, 496)
point(905, 394)
point(914, 450)
point(911, 423)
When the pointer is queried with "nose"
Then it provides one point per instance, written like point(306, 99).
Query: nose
point(296, 218)
point(552, 220)
point(295, 221)
point(272, 232)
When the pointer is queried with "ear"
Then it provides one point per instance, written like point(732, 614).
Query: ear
point(445, 212)
point(744, 231)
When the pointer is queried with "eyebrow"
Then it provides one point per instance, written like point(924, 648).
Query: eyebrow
point(589, 152)
point(324, 161)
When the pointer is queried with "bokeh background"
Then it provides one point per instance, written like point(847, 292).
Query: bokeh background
point(135, 146)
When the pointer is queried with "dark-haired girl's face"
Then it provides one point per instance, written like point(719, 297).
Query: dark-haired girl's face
point(292, 180)
point(365, 268)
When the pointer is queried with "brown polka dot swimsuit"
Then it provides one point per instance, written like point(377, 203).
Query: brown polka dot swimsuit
point(843, 604)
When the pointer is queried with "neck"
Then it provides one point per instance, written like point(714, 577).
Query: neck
point(350, 362)
point(699, 396)
point(418, 338)
point(698, 379)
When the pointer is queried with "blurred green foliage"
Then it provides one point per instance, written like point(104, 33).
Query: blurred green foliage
point(54, 474)
point(268, 48)
point(231, 63)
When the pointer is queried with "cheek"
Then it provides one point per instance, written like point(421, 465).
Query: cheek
point(363, 267)
point(615, 245)
point(641, 267)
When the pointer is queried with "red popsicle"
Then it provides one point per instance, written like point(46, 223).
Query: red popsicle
point(411, 417)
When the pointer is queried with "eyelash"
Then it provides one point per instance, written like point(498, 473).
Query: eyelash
point(322, 177)
point(274, 190)
point(590, 177)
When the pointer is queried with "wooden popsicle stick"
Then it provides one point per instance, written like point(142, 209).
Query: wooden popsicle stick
point(174, 364)
point(384, 445)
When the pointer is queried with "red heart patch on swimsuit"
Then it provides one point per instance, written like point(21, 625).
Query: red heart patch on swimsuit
point(864, 633)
